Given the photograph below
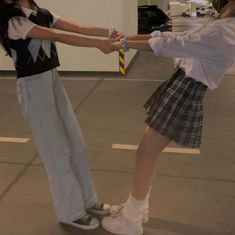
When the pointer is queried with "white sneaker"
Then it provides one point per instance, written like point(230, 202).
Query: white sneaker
point(120, 225)
point(86, 222)
point(116, 210)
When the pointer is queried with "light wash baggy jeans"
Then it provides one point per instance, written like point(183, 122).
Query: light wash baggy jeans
point(60, 143)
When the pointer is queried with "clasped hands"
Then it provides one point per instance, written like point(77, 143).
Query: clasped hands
point(112, 44)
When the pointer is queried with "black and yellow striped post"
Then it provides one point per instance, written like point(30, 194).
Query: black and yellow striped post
point(122, 68)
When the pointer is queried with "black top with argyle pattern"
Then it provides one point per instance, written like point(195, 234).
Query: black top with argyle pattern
point(35, 56)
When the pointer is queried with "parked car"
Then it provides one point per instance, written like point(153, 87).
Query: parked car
point(203, 11)
point(151, 18)
point(186, 13)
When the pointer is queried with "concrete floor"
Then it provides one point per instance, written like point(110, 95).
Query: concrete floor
point(192, 194)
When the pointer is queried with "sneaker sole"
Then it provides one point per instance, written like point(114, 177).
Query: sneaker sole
point(116, 210)
point(120, 233)
point(84, 227)
point(97, 212)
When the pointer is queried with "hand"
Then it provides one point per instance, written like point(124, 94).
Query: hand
point(117, 36)
point(116, 45)
point(106, 47)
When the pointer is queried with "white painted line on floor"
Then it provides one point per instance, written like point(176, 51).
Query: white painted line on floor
point(95, 79)
point(166, 150)
point(182, 150)
point(132, 80)
point(7, 78)
point(117, 79)
point(62, 78)
point(80, 79)
point(14, 140)
point(124, 146)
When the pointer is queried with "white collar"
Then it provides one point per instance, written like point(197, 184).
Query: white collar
point(28, 11)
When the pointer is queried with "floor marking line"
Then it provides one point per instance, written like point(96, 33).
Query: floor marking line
point(14, 140)
point(166, 150)
point(96, 79)
point(80, 79)
point(133, 80)
point(7, 78)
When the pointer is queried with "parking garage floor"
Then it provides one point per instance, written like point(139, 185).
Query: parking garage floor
point(194, 191)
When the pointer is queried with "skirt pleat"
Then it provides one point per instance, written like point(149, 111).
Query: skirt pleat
point(175, 109)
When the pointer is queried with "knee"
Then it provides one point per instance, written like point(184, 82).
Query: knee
point(145, 154)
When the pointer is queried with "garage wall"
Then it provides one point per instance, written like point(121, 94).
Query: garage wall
point(105, 13)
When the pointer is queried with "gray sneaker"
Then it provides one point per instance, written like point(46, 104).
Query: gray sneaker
point(86, 222)
point(99, 209)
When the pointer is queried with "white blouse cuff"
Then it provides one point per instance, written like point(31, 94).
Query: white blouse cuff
point(55, 17)
point(155, 34)
point(156, 42)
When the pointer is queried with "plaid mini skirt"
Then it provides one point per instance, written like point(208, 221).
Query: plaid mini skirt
point(175, 109)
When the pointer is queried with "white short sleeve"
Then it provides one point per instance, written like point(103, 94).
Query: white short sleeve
point(156, 42)
point(55, 17)
point(18, 27)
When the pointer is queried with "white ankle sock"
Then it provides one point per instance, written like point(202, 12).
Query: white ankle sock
point(146, 206)
point(133, 210)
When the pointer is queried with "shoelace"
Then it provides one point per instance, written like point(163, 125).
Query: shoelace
point(98, 206)
point(118, 211)
point(86, 218)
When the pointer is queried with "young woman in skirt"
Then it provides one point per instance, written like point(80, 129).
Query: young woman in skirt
point(175, 110)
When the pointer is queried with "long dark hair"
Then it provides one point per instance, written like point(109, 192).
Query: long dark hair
point(219, 4)
point(7, 11)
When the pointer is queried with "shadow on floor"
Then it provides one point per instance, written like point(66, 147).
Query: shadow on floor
point(69, 230)
point(179, 228)
point(154, 225)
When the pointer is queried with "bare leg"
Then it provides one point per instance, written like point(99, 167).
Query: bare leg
point(129, 222)
point(147, 154)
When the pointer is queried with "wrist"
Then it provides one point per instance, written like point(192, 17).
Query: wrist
point(124, 45)
point(111, 32)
